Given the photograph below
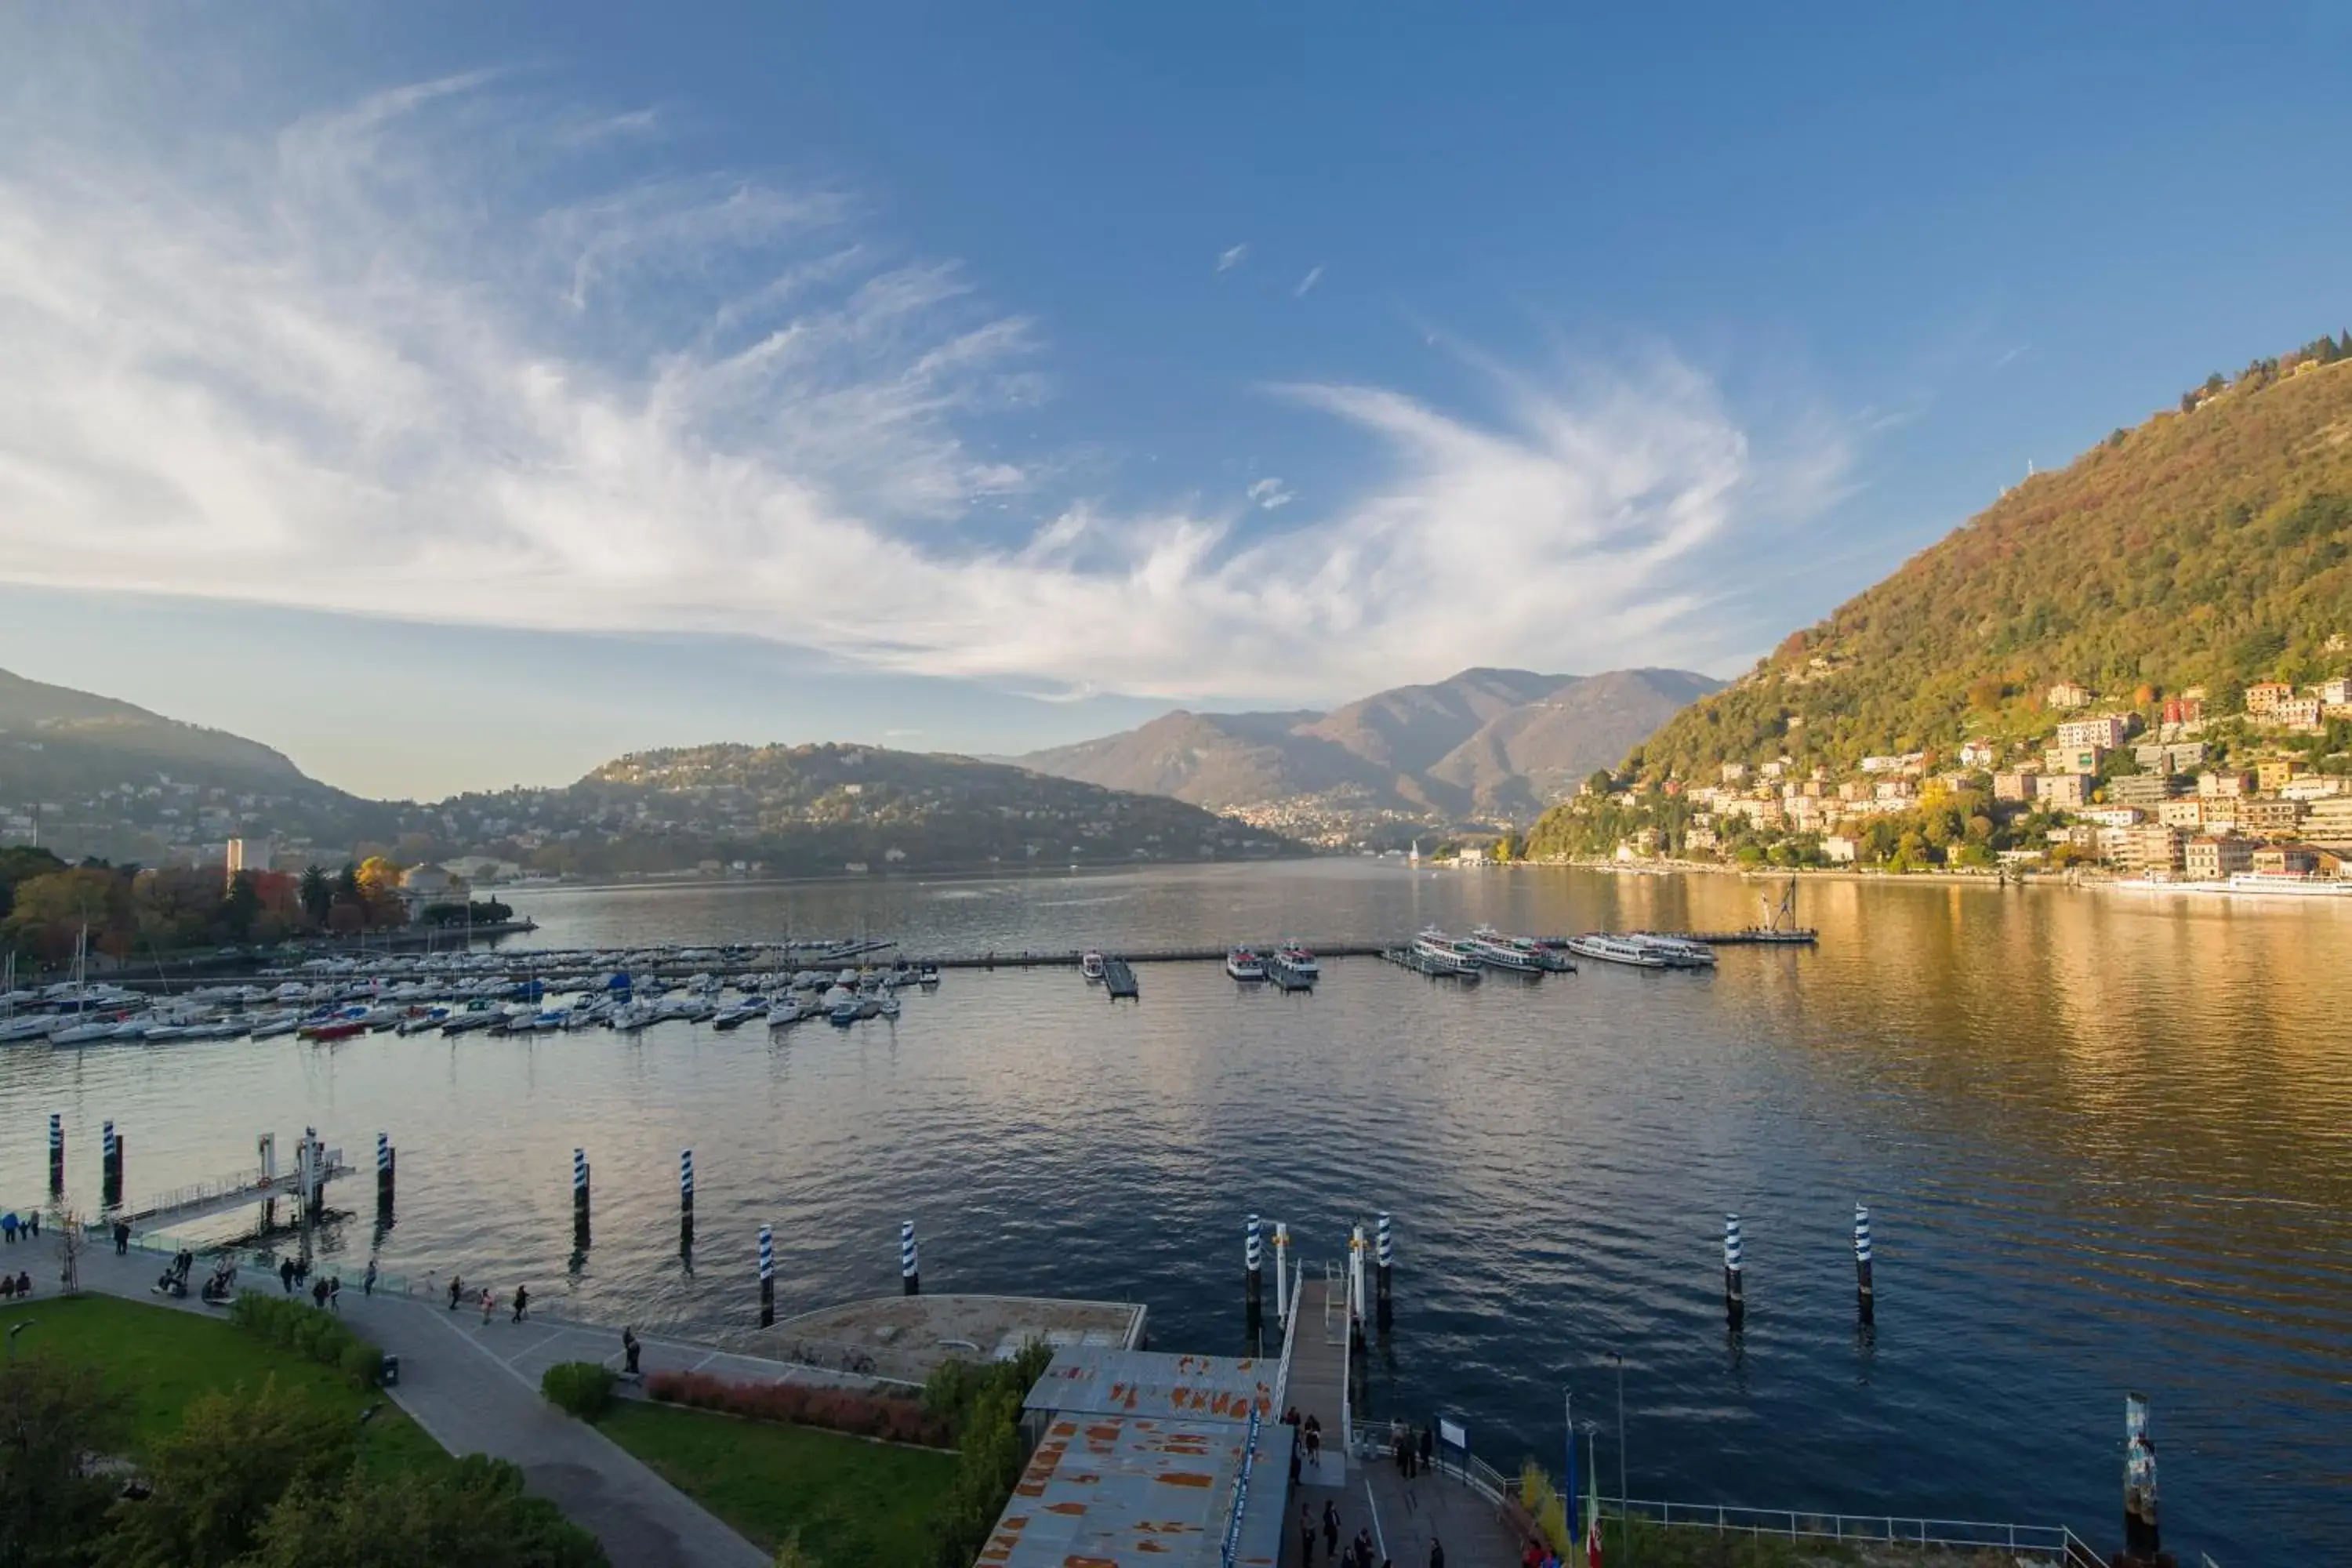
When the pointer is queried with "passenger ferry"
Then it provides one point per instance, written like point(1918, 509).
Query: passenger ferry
point(1298, 961)
point(1445, 950)
point(1091, 966)
point(1607, 949)
point(1680, 953)
point(2255, 884)
point(1243, 963)
point(1496, 950)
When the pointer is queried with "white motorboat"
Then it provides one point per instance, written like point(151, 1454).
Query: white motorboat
point(1297, 959)
point(1605, 948)
point(1091, 966)
point(1243, 963)
point(1680, 953)
point(1445, 951)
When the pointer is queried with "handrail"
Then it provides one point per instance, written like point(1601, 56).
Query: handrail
point(1289, 1341)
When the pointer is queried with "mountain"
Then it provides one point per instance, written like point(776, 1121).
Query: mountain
point(1487, 743)
point(84, 774)
point(2211, 547)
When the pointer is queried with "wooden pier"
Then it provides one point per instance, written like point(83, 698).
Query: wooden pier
point(1318, 1372)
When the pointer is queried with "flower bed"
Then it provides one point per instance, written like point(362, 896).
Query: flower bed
point(861, 1414)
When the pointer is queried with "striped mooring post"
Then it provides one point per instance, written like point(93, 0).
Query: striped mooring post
point(686, 1199)
point(767, 1278)
point(1735, 1294)
point(580, 1198)
point(1863, 1300)
point(109, 1167)
point(910, 1273)
point(1282, 1273)
point(1384, 1261)
point(385, 1157)
point(56, 1155)
point(1253, 1271)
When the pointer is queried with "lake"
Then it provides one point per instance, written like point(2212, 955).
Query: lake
point(2104, 1138)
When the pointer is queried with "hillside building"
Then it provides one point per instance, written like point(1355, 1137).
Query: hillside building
point(2209, 858)
point(2144, 790)
point(2064, 792)
point(2068, 694)
point(2270, 818)
point(2223, 785)
point(2263, 697)
point(2106, 731)
point(2073, 759)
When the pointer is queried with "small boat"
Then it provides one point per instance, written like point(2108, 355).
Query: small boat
point(1243, 963)
point(333, 1029)
point(83, 1034)
point(842, 1015)
point(928, 976)
point(1091, 966)
point(888, 1006)
point(1298, 961)
point(1608, 949)
point(1680, 953)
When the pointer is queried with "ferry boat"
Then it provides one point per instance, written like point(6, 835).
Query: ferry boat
point(2250, 884)
point(1091, 966)
point(928, 977)
point(1680, 953)
point(1604, 947)
point(1445, 951)
point(1298, 961)
point(1496, 950)
point(1243, 963)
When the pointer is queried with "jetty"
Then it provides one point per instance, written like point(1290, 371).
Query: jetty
point(1420, 963)
point(1118, 979)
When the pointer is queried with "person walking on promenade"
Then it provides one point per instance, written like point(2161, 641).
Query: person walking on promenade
point(629, 1349)
point(335, 1293)
point(489, 1302)
point(35, 1221)
point(122, 1238)
point(1305, 1535)
point(285, 1275)
point(1436, 1553)
point(457, 1289)
point(1425, 1449)
point(1330, 1530)
point(319, 1294)
point(523, 1302)
point(367, 1280)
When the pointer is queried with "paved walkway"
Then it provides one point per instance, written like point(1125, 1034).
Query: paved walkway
point(1405, 1518)
point(474, 1388)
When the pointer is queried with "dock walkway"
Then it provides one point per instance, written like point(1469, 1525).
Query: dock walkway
point(1318, 1375)
point(474, 1388)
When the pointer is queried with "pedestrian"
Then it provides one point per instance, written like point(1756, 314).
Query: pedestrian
point(1436, 1553)
point(1425, 1448)
point(1293, 1462)
point(8, 1226)
point(456, 1286)
point(629, 1349)
point(1306, 1537)
point(319, 1294)
point(36, 1222)
point(285, 1275)
point(335, 1293)
point(1330, 1530)
point(489, 1302)
point(1314, 1441)
point(1362, 1551)
point(122, 1238)
point(367, 1280)
point(523, 1302)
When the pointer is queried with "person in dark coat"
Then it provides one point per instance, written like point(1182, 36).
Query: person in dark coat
point(1330, 1530)
point(1306, 1533)
point(1436, 1547)
point(629, 1349)
point(285, 1275)
point(1427, 1447)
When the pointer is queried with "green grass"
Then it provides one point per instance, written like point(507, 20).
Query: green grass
point(856, 1504)
point(160, 1359)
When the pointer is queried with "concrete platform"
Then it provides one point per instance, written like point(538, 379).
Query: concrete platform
point(905, 1336)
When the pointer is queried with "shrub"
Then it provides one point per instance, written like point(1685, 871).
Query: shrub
point(579, 1388)
point(362, 1363)
point(307, 1333)
point(892, 1417)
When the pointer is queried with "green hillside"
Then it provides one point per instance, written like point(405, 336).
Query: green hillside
point(2209, 547)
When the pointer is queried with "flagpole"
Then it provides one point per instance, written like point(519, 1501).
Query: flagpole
point(1567, 1481)
point(1625, 1525)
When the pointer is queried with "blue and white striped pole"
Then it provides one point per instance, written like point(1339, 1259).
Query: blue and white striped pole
point(1252, 1272)
point(1735, 1296)
point(384, 1172)
point(767, 1278)
point(1384, 1261)
point(686, 1200)
point(580, 1199)
point(910, 1273)
point(57, 1154)
point(109, 1167)
point(1862, 1295)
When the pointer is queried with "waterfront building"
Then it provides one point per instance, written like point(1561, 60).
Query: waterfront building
point(2271, 818)
point(2329, 821)
point(2294, 860)
point(2150, 849)
point(2210, 858)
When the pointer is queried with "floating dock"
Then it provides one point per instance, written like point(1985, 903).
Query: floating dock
point(1751, 936)
point(1118, 979)
point(1420, 963)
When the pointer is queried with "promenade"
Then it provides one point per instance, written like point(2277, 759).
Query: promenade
point(474, 1388)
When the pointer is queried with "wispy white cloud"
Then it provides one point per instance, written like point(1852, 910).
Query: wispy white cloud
point(1314, 276)
point(1232, 257)
point(1270, 494)
point(2003, 362)
point(360, 364)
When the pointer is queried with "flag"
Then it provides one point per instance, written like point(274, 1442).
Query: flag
point(1592, 1521)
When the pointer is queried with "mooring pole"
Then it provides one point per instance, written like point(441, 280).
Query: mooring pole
point(580, 1198)
point(1385, 1262)
point(1282, 1273)
point(56, 1155)
point(1735, 1295)
point(767, 1278)
point(1253, 1274)
point(1864, 1303)
point(1356, 1287)
point(110, 1194)
point(2142, 1538)
point(910, 1274)
point(686, 1200)
point(384, 1172)
point(114, 1193)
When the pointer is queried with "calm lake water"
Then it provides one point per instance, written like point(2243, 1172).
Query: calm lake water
point(2103, 1140)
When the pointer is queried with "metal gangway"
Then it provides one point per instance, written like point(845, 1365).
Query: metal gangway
point(305, 1185)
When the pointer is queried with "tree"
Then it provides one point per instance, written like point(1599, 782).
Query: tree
point(318, 894)
point(53, 1418)
point(221, 1472)
point(240, 906)
point(475, 1511)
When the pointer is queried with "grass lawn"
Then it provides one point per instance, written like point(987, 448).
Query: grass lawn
point(162, 1359)
point(856, 1504)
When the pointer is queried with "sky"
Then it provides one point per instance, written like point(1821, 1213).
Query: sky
point(455, 396)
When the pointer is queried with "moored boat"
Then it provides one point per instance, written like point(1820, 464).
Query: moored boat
point(1243, 963)
point(1091, 966)
point(1607, 948)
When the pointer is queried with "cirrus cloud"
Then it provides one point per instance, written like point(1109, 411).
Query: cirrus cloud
point(363, 363)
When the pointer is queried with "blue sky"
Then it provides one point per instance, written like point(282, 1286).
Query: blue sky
point(454, 399)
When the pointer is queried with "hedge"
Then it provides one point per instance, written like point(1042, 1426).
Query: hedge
point(893, 1418)
point(309, 1333)
point(581, 1388)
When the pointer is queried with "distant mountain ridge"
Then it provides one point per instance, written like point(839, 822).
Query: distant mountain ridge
point(54, 735)
point(1485, 744)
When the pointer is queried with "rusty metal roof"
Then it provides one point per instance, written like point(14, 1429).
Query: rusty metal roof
point(1143, 1491)
point(1105, 1381)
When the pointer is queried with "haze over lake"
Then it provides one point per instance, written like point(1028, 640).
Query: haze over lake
point(2103, 1139)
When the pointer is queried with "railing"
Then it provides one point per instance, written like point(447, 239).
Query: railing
point(2053, 1543)
point(1369, 1440)
point(1289, 1339)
